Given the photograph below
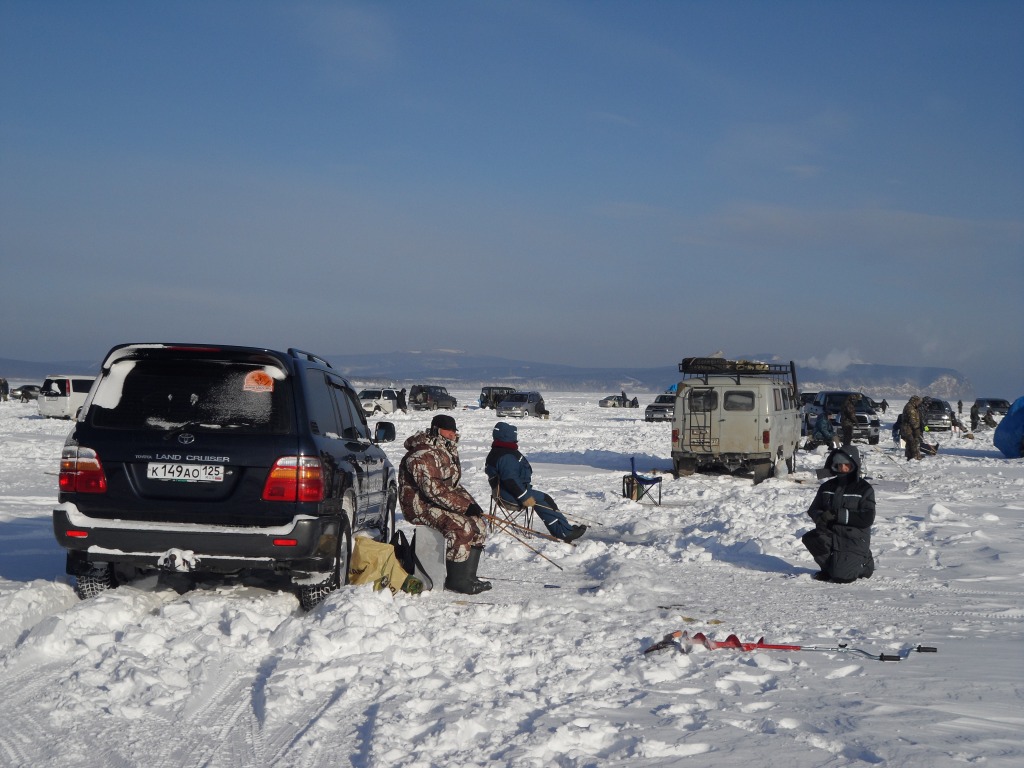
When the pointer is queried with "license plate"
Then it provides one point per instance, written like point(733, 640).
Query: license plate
point(189, 473)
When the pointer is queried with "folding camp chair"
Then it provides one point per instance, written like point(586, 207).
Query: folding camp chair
point(508, 510)
point(637, 487)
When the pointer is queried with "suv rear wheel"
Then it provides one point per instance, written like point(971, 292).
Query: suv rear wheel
point(94, 581)
point(311, 595)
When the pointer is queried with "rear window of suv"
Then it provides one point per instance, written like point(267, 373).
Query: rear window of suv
point(159, 395)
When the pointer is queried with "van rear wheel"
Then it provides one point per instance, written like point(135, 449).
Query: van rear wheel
point(762, 471)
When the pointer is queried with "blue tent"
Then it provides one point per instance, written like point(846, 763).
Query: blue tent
point(1009, 436)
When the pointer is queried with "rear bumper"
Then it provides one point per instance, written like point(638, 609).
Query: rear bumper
point(306, 545)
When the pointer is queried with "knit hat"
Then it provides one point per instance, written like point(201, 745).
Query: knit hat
point(505, 433)
point(443, 421)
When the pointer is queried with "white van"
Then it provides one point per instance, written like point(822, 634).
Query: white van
point(62, 395)
point(735, 415)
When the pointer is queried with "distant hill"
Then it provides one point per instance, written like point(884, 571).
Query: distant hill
point(465, 370)
point(25, 370)
point(446, 367)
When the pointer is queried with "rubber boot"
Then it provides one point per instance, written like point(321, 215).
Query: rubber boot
point(474, 560)
point(461, 577)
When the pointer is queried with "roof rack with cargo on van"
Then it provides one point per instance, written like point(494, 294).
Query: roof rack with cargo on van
point(702, 367)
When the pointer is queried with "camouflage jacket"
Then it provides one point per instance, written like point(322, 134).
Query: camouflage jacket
point(430, 475)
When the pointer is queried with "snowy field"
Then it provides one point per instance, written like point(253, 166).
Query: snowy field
point(548, 669)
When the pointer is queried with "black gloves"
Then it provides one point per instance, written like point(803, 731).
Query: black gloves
point(473, 510)
point(827, 516)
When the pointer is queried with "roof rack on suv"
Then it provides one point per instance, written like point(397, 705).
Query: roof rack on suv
point(702, 367)
point(300, 353)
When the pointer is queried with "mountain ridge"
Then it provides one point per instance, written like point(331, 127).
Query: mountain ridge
point(452, 367)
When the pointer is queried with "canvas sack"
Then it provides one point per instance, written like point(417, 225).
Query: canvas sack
point(374, 562)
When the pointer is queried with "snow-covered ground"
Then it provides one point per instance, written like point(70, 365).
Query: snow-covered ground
point(547, 669)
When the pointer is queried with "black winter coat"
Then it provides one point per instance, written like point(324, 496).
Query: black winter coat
point(843, 511)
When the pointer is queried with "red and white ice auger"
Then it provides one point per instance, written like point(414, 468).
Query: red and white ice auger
point(684, 642)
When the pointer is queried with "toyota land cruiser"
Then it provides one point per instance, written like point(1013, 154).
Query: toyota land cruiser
point(207, 459)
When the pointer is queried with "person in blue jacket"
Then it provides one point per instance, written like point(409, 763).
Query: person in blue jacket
point(823, 433)
point(511, 473)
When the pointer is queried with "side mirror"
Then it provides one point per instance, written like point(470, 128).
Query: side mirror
point(384, 433)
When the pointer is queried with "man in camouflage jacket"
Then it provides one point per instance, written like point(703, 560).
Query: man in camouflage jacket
point(910, 428)
point(431, 493)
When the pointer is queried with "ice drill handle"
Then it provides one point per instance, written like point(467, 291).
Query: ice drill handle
point(887, 657)
point(926, 649)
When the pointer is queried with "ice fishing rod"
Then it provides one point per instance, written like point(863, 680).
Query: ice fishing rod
point(571, 517)
point(504, 526)
point(682, 640)
point(525, 530)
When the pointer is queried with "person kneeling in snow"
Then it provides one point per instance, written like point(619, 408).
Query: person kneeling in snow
point(511, 474)
point(843, 512)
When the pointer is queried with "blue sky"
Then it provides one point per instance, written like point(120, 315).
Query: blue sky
point(594, 183)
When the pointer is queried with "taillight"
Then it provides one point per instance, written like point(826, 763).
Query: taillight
point(675, 436)
point(294, 478)
point(766, 437)
point(81, 471)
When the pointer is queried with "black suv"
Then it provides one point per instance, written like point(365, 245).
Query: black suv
point(429, 397)
point(205, 459)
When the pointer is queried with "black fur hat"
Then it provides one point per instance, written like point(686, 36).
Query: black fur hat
point(443, 421)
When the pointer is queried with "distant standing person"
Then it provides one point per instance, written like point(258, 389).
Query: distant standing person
point(403, 405)
point(885, 405)
point(848, 418)
point(910, 428)
point(960, 407)
point(843, 512)
point(975, 417)
point(5, 389)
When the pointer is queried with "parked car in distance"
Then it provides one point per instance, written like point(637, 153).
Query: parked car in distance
point(221, 460)
point(430, 397)
point(379, 400)
point(61, 395)
point(522, 404)
point(662, 409)
point(867, 426)
point(997, 406)
point(491, 396)
point(618, 401)
point(937, 415)
point(25, 392)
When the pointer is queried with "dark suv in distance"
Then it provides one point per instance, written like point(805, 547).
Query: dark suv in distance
point(210, 460)
point(491, 397)
point(429, 397)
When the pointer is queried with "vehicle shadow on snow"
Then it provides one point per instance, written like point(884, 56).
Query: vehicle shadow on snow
point(612, 460)
point(29, 551)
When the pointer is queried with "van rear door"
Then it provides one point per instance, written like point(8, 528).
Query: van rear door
point(699, 420)
point(739, 421)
